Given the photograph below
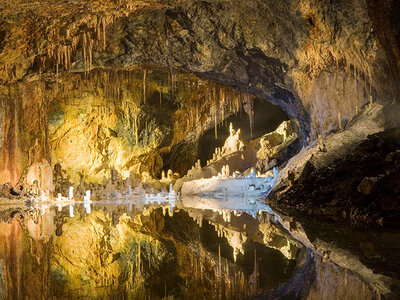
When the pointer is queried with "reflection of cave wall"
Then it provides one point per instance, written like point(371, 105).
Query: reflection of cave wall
point(113, 253)
point(267, 118)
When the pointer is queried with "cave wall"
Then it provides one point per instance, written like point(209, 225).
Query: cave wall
point(319, 61)
point(91, 124)
point(24, 129)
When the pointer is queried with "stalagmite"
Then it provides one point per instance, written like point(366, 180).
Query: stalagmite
point(144, 85)
point(71, 193)
point(170, 175)
point(87, 196)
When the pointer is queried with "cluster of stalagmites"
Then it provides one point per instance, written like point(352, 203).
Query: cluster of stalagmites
point(59, 183)
point(44, 181)
point(266, 152)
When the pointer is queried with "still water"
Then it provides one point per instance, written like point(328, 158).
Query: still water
point(191, 249)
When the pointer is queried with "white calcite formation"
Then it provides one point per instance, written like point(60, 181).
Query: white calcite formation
point(71, 211)
point(162, 198)
point(233, 143)
point(220, 186)
point(71, 193)
point(225, 173)
point(86, 202)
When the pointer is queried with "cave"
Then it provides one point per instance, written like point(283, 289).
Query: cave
point(267, 117)
point(209, 149)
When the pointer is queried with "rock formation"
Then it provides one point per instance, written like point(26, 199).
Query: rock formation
point(233, 143)
point(320, 62)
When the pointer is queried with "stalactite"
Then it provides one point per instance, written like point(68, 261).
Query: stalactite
point(172, 84)
point(248, 105)
point(215, 122)
point(370, 85)
point(144, 86)
point(355, 88)
point(222, 97)
point(57, 77)
point(219, 262)
point(84, 51)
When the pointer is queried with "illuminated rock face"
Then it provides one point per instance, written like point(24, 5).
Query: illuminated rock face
point(276, 146)
point(41, 175)
point(95, 125)
point(272, 143)
point(319, 61)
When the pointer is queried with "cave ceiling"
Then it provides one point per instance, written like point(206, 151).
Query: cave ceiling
point(289, 52)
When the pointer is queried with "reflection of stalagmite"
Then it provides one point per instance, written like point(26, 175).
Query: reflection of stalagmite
point(71, 211)
point(129, 191)
point(254, 277)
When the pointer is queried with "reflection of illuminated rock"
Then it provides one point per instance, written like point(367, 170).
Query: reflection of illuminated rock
point(276, 237)
point(237, 230)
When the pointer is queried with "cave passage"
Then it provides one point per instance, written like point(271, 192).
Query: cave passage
point(267, 117)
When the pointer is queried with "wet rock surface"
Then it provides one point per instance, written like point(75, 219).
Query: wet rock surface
point(347, 208)
point(360, 189)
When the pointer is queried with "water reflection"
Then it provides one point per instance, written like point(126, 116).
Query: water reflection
point(190, 248)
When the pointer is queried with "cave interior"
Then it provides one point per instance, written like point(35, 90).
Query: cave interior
point(254, 142)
